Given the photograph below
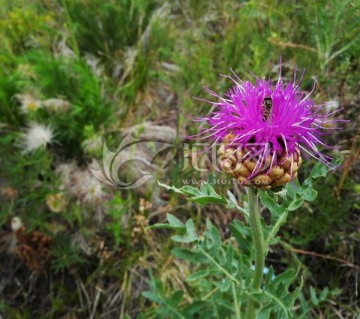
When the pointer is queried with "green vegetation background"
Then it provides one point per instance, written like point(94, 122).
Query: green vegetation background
point(125, 62)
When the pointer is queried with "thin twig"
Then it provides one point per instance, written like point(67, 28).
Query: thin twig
point(311, 253)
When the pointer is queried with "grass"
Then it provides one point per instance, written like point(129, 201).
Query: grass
point(120, 63)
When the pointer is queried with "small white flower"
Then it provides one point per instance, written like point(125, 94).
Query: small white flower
point(36, 136)
point(16, 224)
point(28, 102)
point(56, 105)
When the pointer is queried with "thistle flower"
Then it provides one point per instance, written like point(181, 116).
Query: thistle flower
point(36, 136)
point(264, 127)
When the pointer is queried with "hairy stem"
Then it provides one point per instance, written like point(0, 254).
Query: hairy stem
point(259, 245)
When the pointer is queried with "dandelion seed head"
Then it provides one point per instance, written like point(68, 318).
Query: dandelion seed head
point(36, 136)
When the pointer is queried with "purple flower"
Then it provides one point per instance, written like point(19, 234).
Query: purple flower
point(268, 122)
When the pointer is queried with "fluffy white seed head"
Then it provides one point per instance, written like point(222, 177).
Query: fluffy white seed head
point(36, 136)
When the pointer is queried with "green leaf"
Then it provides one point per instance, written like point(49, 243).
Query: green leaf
point(205, 195)
point(304, 305)
point(260, 297)
point(242, 235)
point(191, 256)
point(270, 203)
point(190, 235)
point(229, 256)
point(313, 296)
point(295, 204)
point(225, 284)
point(174, 222)
point(324, 294)
point(269, 277)
point(151, 296)
point(280, 304)
point(198, 275)
point(213, 237)
point(232, 202)
point(286, 278)
point(309, 193)
point(176, 298)
point(264, 312)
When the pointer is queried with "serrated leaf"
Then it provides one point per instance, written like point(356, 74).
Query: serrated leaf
point(205, 195)
point(308, 193)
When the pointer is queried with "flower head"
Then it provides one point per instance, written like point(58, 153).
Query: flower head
point(56, 202)
point(36, 136)
point(81, 184)
point(264, 126)
point(28, 102)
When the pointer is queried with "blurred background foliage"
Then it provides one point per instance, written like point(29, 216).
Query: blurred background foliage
point(90, 70)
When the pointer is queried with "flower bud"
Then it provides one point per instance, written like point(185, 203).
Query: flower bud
point(251, 169)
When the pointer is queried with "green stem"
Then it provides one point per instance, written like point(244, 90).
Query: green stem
point(236, 301)
point(219, 266)
point(259, 244)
